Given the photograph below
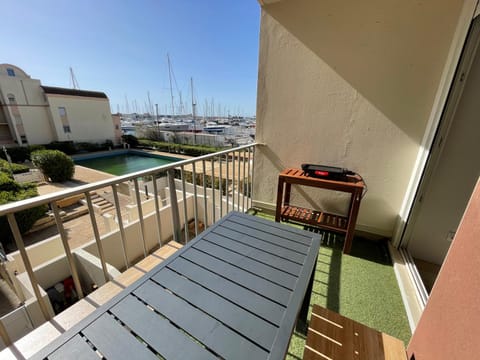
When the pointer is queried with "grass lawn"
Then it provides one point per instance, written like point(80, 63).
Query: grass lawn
point(361, 286)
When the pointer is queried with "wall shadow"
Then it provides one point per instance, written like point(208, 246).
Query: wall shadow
point(392, 55)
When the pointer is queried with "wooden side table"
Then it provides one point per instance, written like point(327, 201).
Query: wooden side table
point(342, 224)
point(333, 336)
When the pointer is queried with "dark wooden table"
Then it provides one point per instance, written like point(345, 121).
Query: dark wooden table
point(342, 224)
point(233, 292)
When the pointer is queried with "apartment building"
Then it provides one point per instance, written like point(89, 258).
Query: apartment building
point(31, 113)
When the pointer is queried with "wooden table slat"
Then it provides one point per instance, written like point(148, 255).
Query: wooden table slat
point(258, 284)
point(113, 341)
point(165, 338)
point(232, 315)
point(267, 257)
point(209, 331)
point(239, 295)
point(266, 226)
point(267, 271)
point(285, 242)
point(259, 244)
point(338, 337)
point(75, 348)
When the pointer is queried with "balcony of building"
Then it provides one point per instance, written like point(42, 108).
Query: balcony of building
point(162, 209)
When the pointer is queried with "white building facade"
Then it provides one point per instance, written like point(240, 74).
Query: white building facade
point(34, 114)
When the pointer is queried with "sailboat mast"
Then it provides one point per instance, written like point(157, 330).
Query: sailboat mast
point(170, 78)
point(193, 114)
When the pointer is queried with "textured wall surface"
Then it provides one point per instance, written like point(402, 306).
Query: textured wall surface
point(350, 86)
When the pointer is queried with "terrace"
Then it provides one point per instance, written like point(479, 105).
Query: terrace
point(148, 229)
point(376, 88)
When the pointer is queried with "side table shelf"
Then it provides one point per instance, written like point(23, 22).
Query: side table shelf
point(342, 224)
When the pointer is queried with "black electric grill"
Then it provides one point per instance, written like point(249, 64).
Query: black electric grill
point(326, 172)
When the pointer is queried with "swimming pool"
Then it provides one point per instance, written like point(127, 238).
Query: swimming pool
point(123, 162)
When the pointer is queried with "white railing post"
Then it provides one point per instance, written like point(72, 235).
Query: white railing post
point(140, 216)
point(185, 211)
point(28, 265)
point(120, 225)
point(68, 252)
point(157, 210)
point(96, 233)
point(174, 205)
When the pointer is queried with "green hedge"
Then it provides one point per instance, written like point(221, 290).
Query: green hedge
point(192, 150)
point(54, 164)
point(130, 140)
point(11, 191)
point(67, 147)
point(15, 168)
point(18, 154)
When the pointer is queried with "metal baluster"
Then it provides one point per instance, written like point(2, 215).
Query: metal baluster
point(120, 225)
point(157, 210)
point(249, 184)
point(98, 241)
point(140, 216)
point(174, 205)
point(205, 210)
point(253, 174)
point(221, 186)
point(213, 190)
point(4, 335)
point(195, 205)
point(239, 176)
point(233, 181)
point(28, 265)
point(66, 247)
point(243, 182)
point(185, 212)
point(226, 184)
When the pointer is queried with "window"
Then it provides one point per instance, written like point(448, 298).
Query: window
point(10, 72)
point(62, 112)
point(117, 127)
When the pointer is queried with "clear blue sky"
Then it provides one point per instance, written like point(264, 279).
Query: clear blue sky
point(120, 47)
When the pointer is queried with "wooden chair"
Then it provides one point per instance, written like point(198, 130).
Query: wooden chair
point(333, 336)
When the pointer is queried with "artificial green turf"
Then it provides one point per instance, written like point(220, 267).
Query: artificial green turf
point(361, 286)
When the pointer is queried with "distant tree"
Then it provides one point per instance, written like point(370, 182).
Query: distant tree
point(130, 140)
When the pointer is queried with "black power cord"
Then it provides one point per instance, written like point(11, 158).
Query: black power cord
point(353, 173)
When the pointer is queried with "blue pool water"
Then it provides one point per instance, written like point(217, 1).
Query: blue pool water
point(124, 163)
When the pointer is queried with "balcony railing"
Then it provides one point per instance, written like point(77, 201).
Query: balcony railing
point(196, 191)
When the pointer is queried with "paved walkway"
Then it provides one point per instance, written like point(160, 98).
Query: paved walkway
point(79, 230)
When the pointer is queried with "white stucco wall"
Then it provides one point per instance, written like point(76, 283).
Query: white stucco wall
point(32, 106)
point(349, 85)
point(90, 118)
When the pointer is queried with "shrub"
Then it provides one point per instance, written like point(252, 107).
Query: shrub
point(18, 154)
point(32, 148)
point(54, 164)
point(87, 147)
point(11, 191)
point(67, 147)
point(192, 150)
point(130, 140)
point(108, 144)
point(15, 168)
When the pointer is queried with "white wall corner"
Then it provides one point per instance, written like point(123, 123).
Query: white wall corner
point(267, 2)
